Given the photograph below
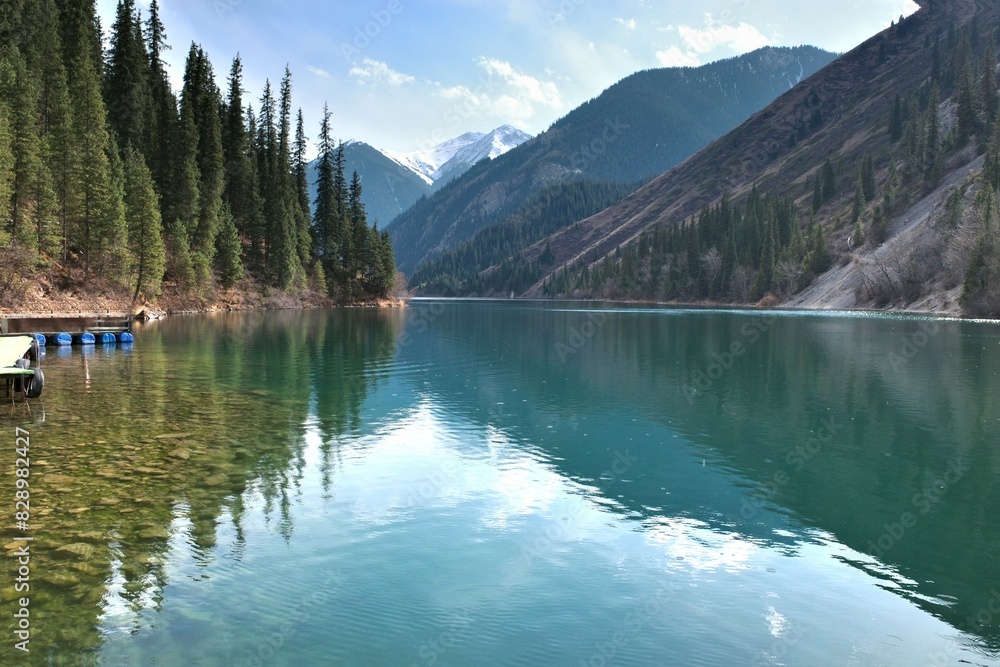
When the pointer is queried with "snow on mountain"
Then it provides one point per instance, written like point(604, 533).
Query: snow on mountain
point(454, 157)
point(491, 146)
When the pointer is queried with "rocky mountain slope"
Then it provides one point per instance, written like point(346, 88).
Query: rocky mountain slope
point(918, 100)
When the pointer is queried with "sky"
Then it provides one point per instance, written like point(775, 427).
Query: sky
point(405, 75)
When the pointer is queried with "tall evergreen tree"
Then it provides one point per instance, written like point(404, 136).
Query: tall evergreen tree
point(829, 181)
point(6, 174)
point(968, 106)
point(858, 206)
point(934, 160)
point(896, 121)
point(988, 86)
point(97, 224)
point(360, 253)
point(228, 258)
point(326, 216)
point(286, 267)
point(127, 92)
point(242, 189)
point(145, 240)
point(163, 117)
point(200, 104)
point(32, 215)
point(55, 120)
point(869, 184)
point(300, 167)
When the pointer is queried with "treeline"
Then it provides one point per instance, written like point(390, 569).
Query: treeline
point(108, 175)
point(492, 262)
point(727, 252)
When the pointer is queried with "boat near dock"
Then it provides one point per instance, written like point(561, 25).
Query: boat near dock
point(19, 366)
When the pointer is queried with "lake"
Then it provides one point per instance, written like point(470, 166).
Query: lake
point(513, 483)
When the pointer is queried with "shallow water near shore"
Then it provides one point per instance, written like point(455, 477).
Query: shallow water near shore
point(513, 483)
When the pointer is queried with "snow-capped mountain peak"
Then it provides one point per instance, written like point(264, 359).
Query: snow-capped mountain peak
point(454, 157)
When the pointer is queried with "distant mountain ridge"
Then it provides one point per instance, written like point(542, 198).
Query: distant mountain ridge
point(637, 129)
point(392, 182)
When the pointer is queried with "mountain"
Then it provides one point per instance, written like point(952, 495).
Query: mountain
point(871, 184)
point(452, 158)
point(427, 163)
point(392, 182)
point(634, 131)
point(492, 146)
point(388, 188)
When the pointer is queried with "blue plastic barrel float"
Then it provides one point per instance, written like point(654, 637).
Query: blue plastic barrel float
point(41, 340)
point(86, 338)
point(64, 339)
point(108, 339)
point(125, 337)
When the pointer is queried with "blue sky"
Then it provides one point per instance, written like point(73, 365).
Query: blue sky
point(406, 74)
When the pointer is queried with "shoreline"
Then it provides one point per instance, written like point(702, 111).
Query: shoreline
point(114, 303)
point(237, 300)
point(947, 313)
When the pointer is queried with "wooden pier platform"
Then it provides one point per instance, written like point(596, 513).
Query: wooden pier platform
point(50, 324)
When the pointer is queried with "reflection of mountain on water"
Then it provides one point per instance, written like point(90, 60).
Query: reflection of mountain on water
point(168, 443)
point(902, 408)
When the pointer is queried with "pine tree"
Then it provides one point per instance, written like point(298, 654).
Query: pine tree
point(968, 106)
point(32, 199)
point(934, 160)
point(6, 174)
point(859, 201)
point(868, 181)
point(80, 33)
point(818, 259)
point(817, 201)
point(229, 249)
point(187, 177)
point(145, 241)
point(55, 122)
point(326, 218)
point(127, 92)
point(286, 267)
point(300, 166)
point(179, 265)
point(97, 225)
point(163, 116)
point(200, 104)
point(896, 121)
point(988, 86)
point(829, 181)
point(359, 228)
point(242, 188)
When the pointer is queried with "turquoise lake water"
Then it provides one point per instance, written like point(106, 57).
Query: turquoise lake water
point(514, 483)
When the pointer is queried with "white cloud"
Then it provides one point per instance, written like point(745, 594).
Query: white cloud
point(375, 72)
point(522, 85)
point(505, 94)
point(628, 23)
point(740, 38)
point(318, 72)
point(674, 57)
point(714, 35)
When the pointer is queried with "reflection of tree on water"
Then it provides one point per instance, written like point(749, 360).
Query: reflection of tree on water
point(169, 441)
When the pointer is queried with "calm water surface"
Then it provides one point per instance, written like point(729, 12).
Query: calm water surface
point(470, 483)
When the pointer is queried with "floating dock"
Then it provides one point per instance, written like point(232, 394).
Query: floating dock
point(71, 328)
